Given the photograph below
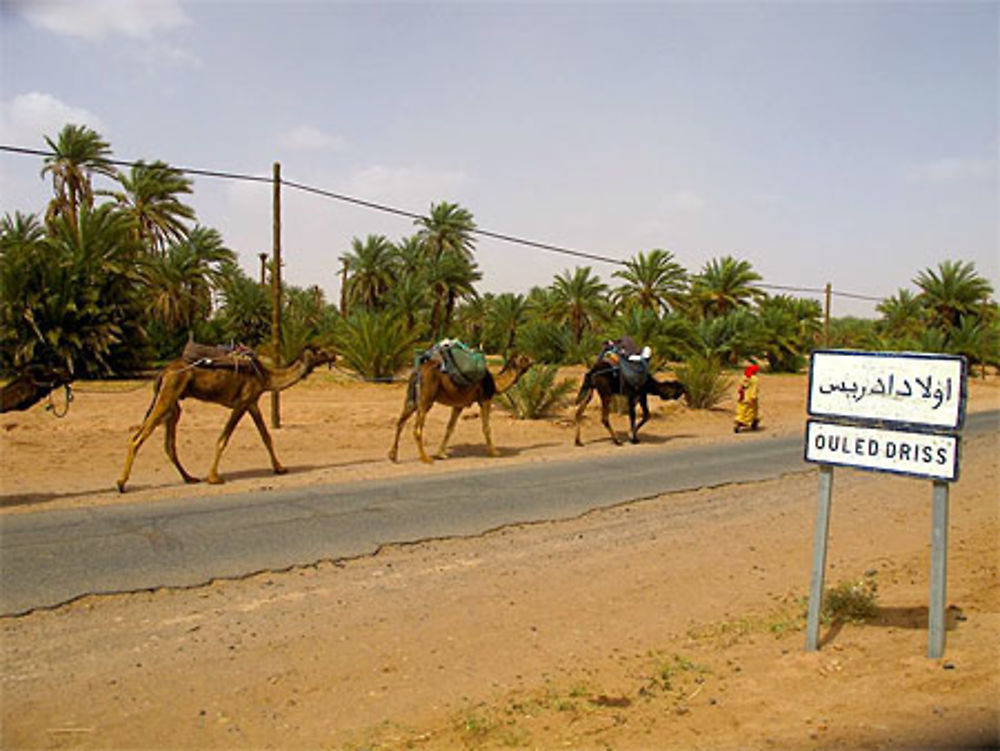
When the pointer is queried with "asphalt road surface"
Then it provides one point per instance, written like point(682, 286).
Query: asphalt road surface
point(49, 558)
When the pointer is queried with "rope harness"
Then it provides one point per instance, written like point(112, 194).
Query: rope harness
point(51, 406)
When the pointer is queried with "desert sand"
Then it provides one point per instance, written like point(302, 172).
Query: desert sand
point(672, 622)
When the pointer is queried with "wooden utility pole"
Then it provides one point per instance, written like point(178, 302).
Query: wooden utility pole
point(826, 316)
point(276, 292)
point(343, 287)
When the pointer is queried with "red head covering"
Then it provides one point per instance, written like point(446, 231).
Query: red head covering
point(751, 370)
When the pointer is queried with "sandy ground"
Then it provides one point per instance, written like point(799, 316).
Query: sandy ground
point(673, 622)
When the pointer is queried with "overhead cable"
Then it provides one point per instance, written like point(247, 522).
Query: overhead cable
point(412, 215)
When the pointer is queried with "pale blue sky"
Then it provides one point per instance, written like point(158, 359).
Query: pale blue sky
point(851, 143)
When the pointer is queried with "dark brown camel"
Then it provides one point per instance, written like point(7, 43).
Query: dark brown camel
point(31, 385)
point(605, 378)
point(239, 389)
point(429, 384)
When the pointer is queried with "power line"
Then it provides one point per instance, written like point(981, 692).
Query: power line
point(414, 216)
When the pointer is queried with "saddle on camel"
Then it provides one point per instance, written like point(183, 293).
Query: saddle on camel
point(622, 369)
point(229, 357)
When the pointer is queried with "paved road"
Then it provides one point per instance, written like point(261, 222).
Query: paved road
point(53, 557)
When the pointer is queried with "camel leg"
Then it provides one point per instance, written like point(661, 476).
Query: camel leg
point(442, 452)
point(408, 409)
point(605, 411)
point(220, 445)
point(418, 434)
point(265, 436)
point(153, 418)
point(581, 406)
point(484, 411)
point(170, 442)
point(644, 405)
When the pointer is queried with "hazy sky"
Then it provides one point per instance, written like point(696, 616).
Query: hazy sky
point(852, 143)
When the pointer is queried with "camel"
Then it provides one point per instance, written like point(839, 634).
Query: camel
point(605, 378)
point(239, 389)
point(429, 384)
point(33, 384)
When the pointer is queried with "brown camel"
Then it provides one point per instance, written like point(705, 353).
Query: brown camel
point(31, 385)
point(428, 384)
point(605, 378)
point(239, 389)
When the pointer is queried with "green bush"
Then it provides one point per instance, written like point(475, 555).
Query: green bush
point(705, 382)
point(854, 601)
point(376, 344)
point(537, 394)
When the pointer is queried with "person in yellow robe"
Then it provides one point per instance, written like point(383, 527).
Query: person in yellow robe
point(748, 401)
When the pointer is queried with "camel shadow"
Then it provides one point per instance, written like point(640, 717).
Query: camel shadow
point(648, 439)
point(32, 499)
point(659, 440)
point(478, 450)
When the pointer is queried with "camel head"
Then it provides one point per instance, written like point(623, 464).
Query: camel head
point(519, 363)
point(314, 355)
point(667, 389)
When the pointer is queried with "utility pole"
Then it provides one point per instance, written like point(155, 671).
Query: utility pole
point(276, 292)
point(826, 316)
point(343, 287)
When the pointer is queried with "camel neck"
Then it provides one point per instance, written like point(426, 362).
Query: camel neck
point(280, 379)
point(505, 379)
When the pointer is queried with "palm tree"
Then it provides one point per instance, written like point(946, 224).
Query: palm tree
point(370, 271)
point(470, 319)
point(654, 282)
point(150, 196)
point(71, 298)
point(902, 315)
point(181, 281)
point(955, 290)
point(450, 277)
point(579, 300)
point(781, 333)
point(723, 285)
point(77, 154)
point(407, 257)
point(446, 230)
point(246, 309)
point(25, 262)
point(729, 338)
point(505, 315)
point(410, 297)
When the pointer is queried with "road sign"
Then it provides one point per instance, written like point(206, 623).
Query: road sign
point(908, 388)
point(919, 454)
point(891, 412)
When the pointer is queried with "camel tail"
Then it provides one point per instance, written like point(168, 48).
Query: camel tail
point(156, 393)
point(489, 386)
point(586, 387)
point(412, 387)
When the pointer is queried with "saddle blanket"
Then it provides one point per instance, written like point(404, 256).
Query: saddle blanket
point(464, 365)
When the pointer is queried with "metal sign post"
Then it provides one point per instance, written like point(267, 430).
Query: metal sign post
point(886, 412)
point(939, 572)
point(820, 538)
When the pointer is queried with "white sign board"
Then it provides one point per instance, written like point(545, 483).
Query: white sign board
point(929, 455)
point(908, 388)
